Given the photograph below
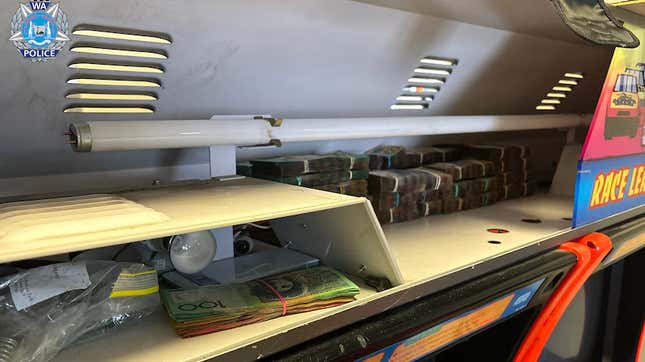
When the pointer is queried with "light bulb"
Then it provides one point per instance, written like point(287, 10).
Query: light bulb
point(191, 253)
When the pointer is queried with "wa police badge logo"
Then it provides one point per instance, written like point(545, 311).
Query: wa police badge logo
point(39, 30)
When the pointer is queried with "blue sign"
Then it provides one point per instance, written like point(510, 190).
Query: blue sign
point(39, 30)
point(607, 187)
point(457, 328)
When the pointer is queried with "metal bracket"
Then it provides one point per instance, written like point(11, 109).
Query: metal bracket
point(223, 167)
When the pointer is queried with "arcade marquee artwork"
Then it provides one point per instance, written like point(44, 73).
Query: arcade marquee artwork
point(611, 170)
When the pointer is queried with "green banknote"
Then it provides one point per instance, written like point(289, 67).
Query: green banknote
point(229, 302)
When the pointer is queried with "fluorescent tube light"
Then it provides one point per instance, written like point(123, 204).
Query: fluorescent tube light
point(550, 101)
point(144, 134)
point(562, 89)
point(132, 134)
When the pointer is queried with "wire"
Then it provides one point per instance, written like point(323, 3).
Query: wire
point(260, 226)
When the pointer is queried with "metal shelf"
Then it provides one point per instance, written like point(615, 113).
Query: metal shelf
point(44, 227)
point(433, 253)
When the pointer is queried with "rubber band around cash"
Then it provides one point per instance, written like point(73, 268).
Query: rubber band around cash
point(429, 172)
point(277, 294)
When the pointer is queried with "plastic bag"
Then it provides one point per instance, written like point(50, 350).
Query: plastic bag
point(46, 309)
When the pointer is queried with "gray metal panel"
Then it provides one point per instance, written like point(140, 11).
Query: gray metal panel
point(349, 238)
point(508, 15)
point(310, 58)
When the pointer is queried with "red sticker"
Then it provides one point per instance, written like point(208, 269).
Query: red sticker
point(498, 231)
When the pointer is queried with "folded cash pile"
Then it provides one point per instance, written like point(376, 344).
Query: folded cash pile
point(465, 177)
point(514, 164)
point(211, 309)
point(403, 195)
point(339, 172)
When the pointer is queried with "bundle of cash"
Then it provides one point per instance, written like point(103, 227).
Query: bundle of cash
point(352, 188)
point(509, 157)
point(466, 169)
point(399, 214)
point(244, 169)
point(511, 177)
point(431, 208)
point(390, 200)
point(450, 152)
point(433, 195)
point(404, 181)
point(511, 191)
point(386, 157)
point(357, 161)
point(489, 198)
point(438, 181)
point(209, 309)
point(476, 186)
point(299, 165)
point(318, 179)
point(428, 155)
point(468, 187)
point(452, 204)
point(412, 160)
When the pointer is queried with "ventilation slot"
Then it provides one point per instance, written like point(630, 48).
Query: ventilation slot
point(424, 84)
point(116, 66)
point(121, 34)
point(108, 96)
point(100, 49)
point(559, 92)
point(108, 109)
point(120, 68)
point(114, 82)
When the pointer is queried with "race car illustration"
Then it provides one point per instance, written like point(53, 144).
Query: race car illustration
point(624, 109)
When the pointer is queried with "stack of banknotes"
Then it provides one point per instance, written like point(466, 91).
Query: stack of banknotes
point(211, 309)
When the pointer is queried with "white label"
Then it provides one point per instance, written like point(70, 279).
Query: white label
point(46, 282)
